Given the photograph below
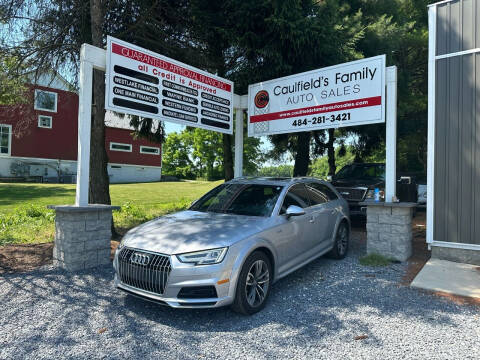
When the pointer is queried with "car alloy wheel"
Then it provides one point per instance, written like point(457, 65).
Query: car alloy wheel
point(342, 240)
point(256, 286)
point(253, 284)
point(340, 247)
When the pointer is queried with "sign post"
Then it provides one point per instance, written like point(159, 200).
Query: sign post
point(205, 96)
point(360, 92)
point(141, 83)
point(391, 136)
point(91, 58)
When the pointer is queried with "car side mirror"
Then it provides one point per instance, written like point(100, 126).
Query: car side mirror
point(294, 210)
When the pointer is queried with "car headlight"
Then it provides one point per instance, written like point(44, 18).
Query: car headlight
point(205, 257)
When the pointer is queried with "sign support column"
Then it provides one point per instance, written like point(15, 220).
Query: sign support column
point(91, 58)
point(238, 167)
point(84, 129)
point(391, 134)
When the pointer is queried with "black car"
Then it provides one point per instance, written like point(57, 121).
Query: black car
point(357, 182)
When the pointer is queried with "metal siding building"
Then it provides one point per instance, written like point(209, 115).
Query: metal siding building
point(453, 205)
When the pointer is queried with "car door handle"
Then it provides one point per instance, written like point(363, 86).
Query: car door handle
point(312, 220)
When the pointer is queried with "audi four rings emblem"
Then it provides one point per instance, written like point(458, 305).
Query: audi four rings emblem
point(139, 259)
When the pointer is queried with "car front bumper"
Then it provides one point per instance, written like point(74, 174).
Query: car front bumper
point(356, 209)
point(187, 276)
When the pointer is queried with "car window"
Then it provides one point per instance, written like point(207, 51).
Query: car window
point(320, 193)
point(297, 195)
point(240, 199)
point(215, 200)
point(317, 196)
point(361, 171)
point(256, 200)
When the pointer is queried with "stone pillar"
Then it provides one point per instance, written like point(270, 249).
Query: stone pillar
point(82, 236)
point(389, 229)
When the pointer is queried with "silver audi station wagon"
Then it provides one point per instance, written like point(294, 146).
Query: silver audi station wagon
point(232, 244)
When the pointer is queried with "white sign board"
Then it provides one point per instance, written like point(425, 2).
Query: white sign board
point(348, 94)
point(141, 82)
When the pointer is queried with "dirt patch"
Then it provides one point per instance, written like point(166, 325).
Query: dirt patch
point(420, 252)
point(18, 258)
point(113, 246)
point(457, 299)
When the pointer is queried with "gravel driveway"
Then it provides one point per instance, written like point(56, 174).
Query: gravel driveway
point(317, 312)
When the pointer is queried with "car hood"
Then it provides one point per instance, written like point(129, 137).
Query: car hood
point(188, 231)
point(365, 182)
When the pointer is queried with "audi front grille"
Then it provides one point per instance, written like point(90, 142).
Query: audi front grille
point(144, 270)
point(353, 194)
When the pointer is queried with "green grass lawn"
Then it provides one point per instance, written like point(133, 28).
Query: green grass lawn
point(25, 219)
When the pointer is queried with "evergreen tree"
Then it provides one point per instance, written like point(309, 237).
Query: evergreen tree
point(285, 37)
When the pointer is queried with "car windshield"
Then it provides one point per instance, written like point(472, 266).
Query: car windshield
point(240, 199)
point(362, 172)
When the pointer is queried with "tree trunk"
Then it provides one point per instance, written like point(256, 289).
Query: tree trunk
point(302, 157)
point(99, 190)
point(227, 157)
point(99, 182)
point(331, 152)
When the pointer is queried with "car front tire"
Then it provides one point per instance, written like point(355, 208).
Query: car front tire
point(253, 285)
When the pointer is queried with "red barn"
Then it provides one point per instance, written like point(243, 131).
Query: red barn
point(40, 142)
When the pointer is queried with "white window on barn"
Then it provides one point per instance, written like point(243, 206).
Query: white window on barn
point(45, 121)
point(5, 139)
point(120, 147)
point(45, 100)
point(150, 150)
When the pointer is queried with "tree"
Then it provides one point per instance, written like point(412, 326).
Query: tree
point(276, 171)
point(399, 29)
point(50, 36)
point(344, 155)
point(287, 37)
point(46, 35)
point(176, 157)
point(16, 98)
point(321, 168)
point(211, 26)
point(331, 152)
point(13, 81)
point(198, 153)
point(99, 192)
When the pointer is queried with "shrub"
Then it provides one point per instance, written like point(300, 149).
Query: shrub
point(131, 215)
point(35, 223)
point(375, 260)
point(27, 223)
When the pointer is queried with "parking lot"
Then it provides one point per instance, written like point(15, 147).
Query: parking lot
point(329, 309)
